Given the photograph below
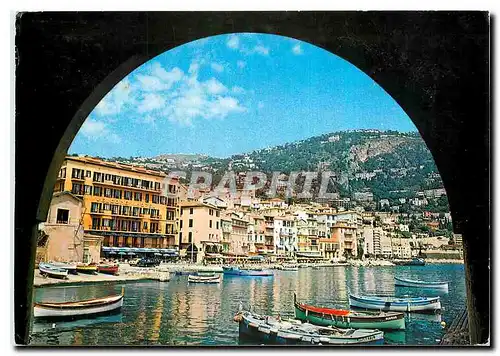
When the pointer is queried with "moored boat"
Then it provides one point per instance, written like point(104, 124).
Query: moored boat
point(52, 271)
point(349, 319)
point(204, 278)
point(108, 269)
point(236, 271)
point(421, 284)
point(272, 330)
point(289, 268)
point(83, 308)
point(415, 262)
point(410, 304)
point(70, 267)
point(86, 268)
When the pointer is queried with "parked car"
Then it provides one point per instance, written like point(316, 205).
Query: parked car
point(147, 262)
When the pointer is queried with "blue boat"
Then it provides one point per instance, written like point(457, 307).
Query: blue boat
point(411, 304)
point(236, 271)
point(272, 330)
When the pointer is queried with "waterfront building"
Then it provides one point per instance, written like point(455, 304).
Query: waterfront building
point(346, 235)
point(127, 206)
point(285, 235)
point(227, 229)
point(269, 234)
point(256, 233)
point(239, 245)
point(368, 247)
point(308, 240)
point(62, 236)
point(200, 231)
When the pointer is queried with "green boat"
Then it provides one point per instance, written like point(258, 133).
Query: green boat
point(349, 319)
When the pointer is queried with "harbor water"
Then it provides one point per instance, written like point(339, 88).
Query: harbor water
point(177, 313)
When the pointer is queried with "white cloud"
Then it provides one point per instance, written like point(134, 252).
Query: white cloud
point(261, 50)
point(237, 90)
point(297, 50)
point(233, 42)
point(168, 78)
point(260, 105)
point(241, 64)
point(151, 101)
point(217, 67)
point(93, 129)
point(149, 83)
point(214, 86)
point(195, 99)
point(116, 99)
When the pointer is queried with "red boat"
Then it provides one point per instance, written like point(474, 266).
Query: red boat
point(108, 269)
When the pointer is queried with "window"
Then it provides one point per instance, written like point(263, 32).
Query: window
point(217, 213)
point(191, 211)
point(62, 216)
point(180, 224)
point(210, 223)
point(105, 222)
point(94, 207)
point(88, 174)
point(182, 210)
point(180, 238)
point(190, 237)
point(210, 212)
point(137, 196)
point(147, 198)
point(96, 223)
point(217, 225)
point(62, 173)
point(155, 199)
point(77, 189)
point(190, 222)
point(107, 177)
point(127, 195)
point(108, 192)
point(107, 207)
point(98, 191)
point(117, 193)
point(87, 190)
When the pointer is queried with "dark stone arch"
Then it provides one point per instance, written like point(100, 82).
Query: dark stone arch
point(434, 64)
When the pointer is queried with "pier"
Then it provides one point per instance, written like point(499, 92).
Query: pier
point(458, 332)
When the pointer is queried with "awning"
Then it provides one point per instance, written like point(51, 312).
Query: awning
point(112, 253)
point(259, 257)
point(131, 253)
point(157, 254)
point(213, 255)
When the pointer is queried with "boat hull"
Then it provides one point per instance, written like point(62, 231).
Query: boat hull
point(246, 273)
point(394, 321)
point(409, 305)
point(409, 283)
point(108, 269)
point(53, 271)
point(205, 280)
point(267, 334)
point(86, 269)
point(77, 310)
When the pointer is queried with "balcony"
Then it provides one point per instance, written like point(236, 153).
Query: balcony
point(155, 217)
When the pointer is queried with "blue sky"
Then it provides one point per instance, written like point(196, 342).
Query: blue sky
point(235, 93)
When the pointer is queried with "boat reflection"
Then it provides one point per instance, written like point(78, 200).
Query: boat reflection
point(44, 326)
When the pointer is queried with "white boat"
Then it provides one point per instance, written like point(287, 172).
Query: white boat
point(70, 267)
point(52, 271)
point(290, 268)
point(420, 284)
point(411, 304)
point(81, 308)
point(204, 279)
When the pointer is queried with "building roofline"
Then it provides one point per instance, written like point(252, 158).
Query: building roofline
point(116, 165)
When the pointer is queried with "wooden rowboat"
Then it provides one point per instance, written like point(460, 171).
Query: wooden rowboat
point(51, 271)
point(349, 319)
point(271, 330)
point(83, 308)
point(412, 304)
point(70, 267)
point(84, 268)
point(108, 269)
point(420, 284)
point(236, 271)
point(204, 279)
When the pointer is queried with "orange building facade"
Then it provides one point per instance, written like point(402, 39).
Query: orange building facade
point(128, 206)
